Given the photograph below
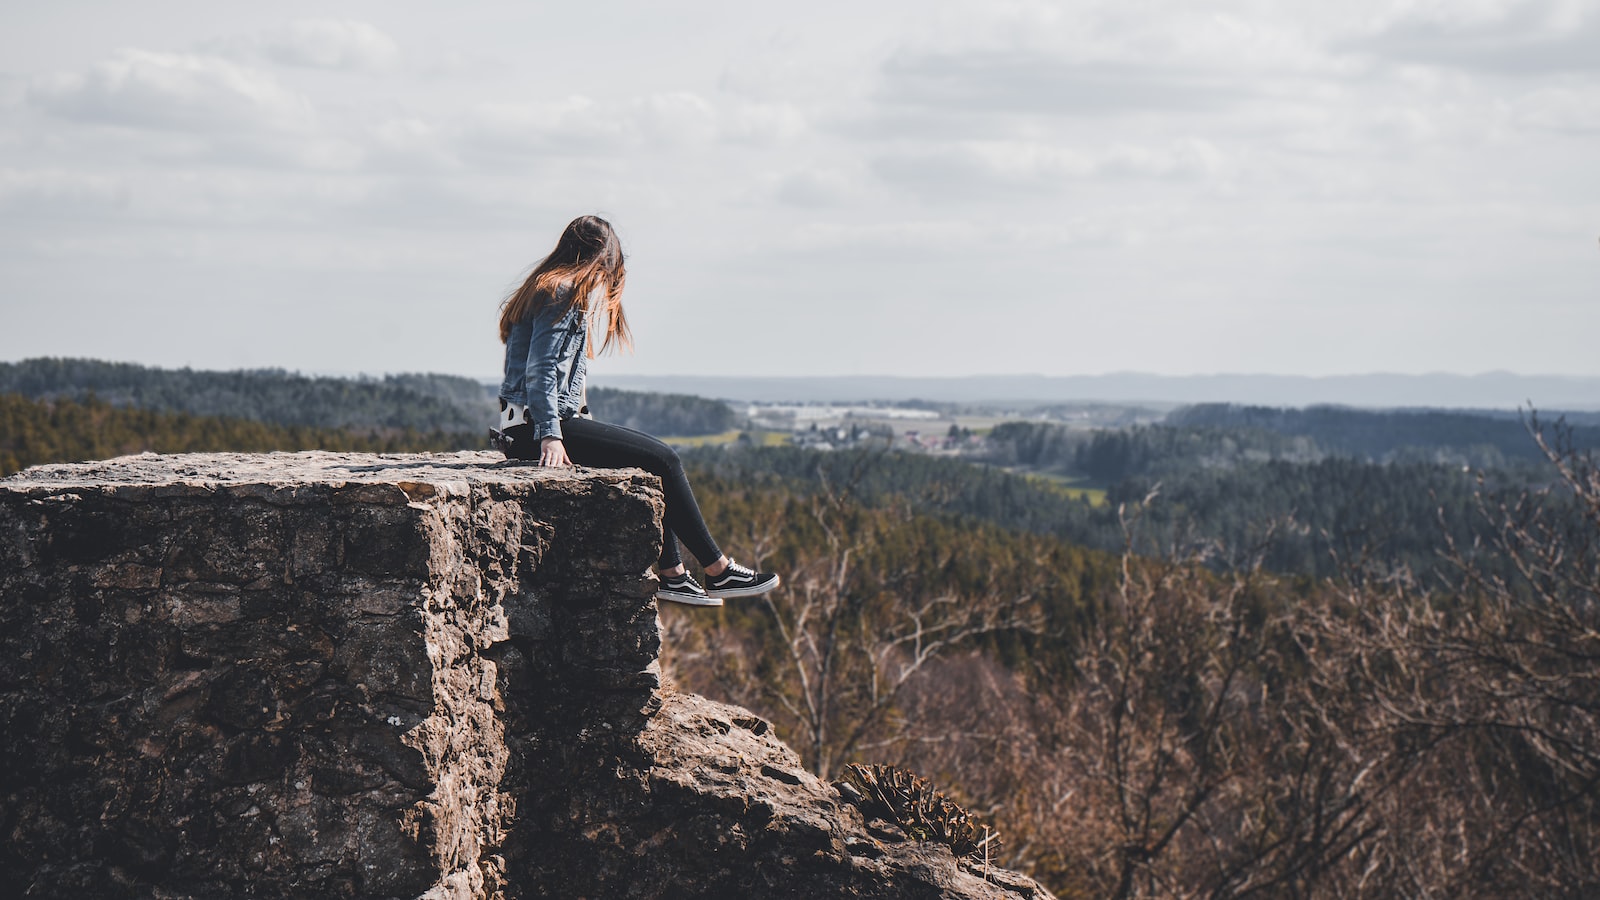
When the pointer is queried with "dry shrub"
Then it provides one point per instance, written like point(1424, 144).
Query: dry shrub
point(900, 796)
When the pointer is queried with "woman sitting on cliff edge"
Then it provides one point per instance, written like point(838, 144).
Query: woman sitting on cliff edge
point(546, 326)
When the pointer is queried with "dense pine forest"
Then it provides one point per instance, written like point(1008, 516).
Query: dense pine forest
point(38, 431)
point(1214, 438)
point(1292, 653)
point(414, 403)
point(674, 415)
point(1305, 518)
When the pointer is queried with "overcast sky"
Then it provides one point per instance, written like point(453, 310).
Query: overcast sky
point(910, 188)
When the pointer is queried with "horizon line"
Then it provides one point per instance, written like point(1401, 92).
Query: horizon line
point(1119, 373)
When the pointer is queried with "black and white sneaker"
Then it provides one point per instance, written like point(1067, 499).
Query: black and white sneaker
point(684, 589)
point(740, 581)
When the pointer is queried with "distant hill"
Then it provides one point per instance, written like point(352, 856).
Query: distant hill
point(1494, 390)
point(1484, 439)
point(668, 415)
point(68, 430)
point(406, 402)
point(417, 402)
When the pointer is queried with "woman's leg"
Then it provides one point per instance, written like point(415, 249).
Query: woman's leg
point(670, 557)
point(523, 443)
point(591, 443)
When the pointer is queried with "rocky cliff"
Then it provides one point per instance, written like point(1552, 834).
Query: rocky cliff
point(341, 675)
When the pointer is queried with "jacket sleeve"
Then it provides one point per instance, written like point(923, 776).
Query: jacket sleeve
point(550, 329)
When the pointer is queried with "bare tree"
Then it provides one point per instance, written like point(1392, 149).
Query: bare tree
point(854, 625)
point(1183, 755)
point(1198, 768)
point(1485, 699)
point(850, 640)
point(1216, 731)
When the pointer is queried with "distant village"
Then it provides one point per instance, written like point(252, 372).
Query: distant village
point(954, 441)
point(939, 431)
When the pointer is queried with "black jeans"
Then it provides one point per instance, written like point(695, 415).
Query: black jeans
point(606, 446)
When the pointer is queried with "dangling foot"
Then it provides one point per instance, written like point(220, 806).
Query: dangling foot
point(740, 581)
point(682, 588)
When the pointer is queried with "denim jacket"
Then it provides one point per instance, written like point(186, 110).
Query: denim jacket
point(546, 365)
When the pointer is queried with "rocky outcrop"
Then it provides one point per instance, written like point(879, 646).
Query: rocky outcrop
point(350, 675)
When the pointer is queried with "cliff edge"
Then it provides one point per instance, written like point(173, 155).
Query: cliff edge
point(352, 675)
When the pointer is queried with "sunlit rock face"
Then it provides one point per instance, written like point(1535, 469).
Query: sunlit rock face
point(351, 675)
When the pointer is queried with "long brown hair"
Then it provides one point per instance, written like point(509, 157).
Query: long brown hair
point(587, 257)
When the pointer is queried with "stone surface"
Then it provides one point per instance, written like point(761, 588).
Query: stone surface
point(348, 675)
point(715, 805)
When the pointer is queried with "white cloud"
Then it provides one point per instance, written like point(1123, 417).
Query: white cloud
point(659, 121)
point(58, 190)
point(1036, 165)
point(574, 125)
point(331, 44)
point(987, 82)
point(179, 91)
point(763, 122)
point(13, 89)
point(943, 236)
point(1572, 110)
point(1520, 37)
point(817, 188)
point(923, 236)
point(678, 117)
point(412, 141)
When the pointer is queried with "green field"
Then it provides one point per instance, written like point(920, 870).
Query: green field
point(1067, 486)
point(762, 438)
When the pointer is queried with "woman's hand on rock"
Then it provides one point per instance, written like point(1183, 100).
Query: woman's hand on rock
point(553, 453)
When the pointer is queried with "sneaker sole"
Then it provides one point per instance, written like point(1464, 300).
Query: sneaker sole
point(690, 599)
point(754, 590)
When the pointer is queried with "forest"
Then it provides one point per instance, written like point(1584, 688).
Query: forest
point(66, 430)
point(672, 415)
point(1192, 437)
point(1278, 660)
point(1496, 435)
point(1307, 517)
point(1142, 725)
point(418, 402)
point(406, 403)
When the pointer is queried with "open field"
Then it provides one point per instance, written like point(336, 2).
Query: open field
point(763, 438)
point(1066, 486)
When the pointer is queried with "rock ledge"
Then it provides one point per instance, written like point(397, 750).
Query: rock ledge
point(352, 675)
